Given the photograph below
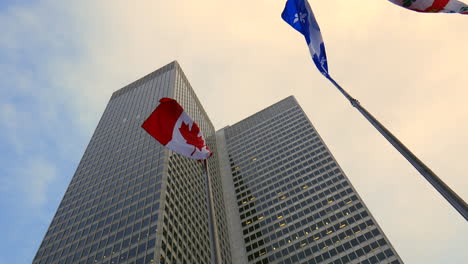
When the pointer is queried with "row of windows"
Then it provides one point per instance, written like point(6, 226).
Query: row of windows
point(110, 202)
point(307, 228)
point(106, 198)
point(307, 207)
point(107, 236)
point(291, 153)
point(328, 172)
point(106, 179)
point(66, 217)
point(115, 156)
point(279, 210)
point(292, 197)
point(299, 250)
point(185, 233)
point(270, 138)
point(313, 224)
point(255, 178)
point(295, 184)
point(267, 134)
point(286, 170)
point(114, 245)
point(267, 116)
point(272, 207)
point(185, 93)
point(335, 232)
point(291, 149)
point(109, 128)
point(184, 200)
point(275, 116)
point(353, 244)
point(99, 219)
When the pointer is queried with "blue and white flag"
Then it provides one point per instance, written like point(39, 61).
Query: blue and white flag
point(299, 15)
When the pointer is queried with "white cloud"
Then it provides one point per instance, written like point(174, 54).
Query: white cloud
point(9, 119)
point(38, 174)
point(34, 179)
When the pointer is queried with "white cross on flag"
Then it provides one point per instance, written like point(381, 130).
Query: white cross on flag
point(172, 127)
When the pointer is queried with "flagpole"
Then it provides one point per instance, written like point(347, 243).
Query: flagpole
point(456, 201)
point(214, 254)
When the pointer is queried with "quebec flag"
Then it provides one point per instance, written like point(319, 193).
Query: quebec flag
point(299, 15)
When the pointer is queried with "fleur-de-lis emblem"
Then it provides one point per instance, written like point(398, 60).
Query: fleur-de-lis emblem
point(322, 62)
point(300, 17)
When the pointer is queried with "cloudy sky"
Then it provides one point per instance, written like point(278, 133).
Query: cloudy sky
point(61, 60)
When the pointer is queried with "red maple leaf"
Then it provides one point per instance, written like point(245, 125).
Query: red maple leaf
point(191, 135)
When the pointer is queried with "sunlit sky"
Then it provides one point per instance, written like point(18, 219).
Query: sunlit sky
point(60, 61)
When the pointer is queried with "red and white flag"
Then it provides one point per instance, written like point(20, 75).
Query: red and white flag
point(172, 127)
point(434, 6)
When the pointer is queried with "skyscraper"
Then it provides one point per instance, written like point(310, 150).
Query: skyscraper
point(133, 201)
point(278, 194)
point(288, 200)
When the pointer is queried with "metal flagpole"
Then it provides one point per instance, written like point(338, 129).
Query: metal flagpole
point(456, 201)
point(214, 255)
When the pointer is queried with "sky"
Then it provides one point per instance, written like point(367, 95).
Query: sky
point(60, 61)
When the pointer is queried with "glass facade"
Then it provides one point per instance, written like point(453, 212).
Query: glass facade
point(185, 226)
point(294, 203)
point(278, 195)
point(131, 200)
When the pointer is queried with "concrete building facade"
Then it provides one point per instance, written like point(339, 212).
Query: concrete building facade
point(289, 201)
point(130, 199)
point(278, 195)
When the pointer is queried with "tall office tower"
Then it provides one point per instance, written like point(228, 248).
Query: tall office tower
point(131, 200)
point(288, 200)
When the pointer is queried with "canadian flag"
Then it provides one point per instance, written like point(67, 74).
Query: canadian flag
point(434, 6)
point(172, 127)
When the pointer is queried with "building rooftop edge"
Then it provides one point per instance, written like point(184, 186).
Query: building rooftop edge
point(170, 66)
point(291, 97)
